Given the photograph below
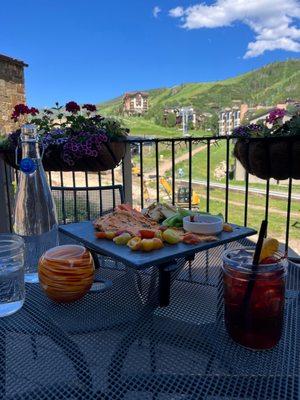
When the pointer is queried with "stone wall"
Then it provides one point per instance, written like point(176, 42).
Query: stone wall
point(12, 90)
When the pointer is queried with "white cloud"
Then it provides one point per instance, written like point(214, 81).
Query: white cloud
point(156, 10)
point(176, 12)
point(273, 21)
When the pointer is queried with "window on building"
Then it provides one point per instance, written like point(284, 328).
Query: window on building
point(138, 101)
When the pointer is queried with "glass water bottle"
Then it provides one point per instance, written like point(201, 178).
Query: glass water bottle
point(35, 217)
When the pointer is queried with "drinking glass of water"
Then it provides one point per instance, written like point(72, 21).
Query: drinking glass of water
point(12, 287)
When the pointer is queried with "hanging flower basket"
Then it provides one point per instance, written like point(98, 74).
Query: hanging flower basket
point(108, 158)
point(266, 158)
point(270, 149)
point(72, 138)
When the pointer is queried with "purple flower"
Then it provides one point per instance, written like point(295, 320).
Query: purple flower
point(275, 115)
point(241, 131)
point(255, 127)
point(82, 144)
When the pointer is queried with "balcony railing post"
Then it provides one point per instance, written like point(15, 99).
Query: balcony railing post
point(6, 191)
point(127, 174)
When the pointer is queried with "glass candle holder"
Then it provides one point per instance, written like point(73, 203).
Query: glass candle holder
point(12, 286)
point(66, 273)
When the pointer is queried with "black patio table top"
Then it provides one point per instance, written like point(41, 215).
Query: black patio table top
point(84, 232)
point(118, 345)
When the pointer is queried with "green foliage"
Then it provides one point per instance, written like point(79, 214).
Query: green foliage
point(159, 118)
point(170, 120)
point(190, 126)
point(213, 123)
point(291, 109)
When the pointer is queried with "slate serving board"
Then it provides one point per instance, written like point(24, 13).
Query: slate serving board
point(84, 232)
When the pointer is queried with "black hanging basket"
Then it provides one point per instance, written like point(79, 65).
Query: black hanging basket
point(110, 156)
point(270, 157)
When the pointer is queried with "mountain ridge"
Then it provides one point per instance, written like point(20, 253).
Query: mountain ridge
point(268, 85)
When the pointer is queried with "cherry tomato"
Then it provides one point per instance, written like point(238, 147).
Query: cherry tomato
point(147, 234)
point(100, 235)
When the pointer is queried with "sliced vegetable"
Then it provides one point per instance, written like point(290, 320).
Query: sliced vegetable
point(157, 243)
point(118, 233)
point(147, 233)
point(100, 235)
point(110, 235)
point(158, 234)
point(163, 228)
point(122, 239)
point(147, 245)
point(135, 243)
point(227, 227)
point(177, 219)
point(170, 236)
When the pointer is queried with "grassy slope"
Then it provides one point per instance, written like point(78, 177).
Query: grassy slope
point(146, 127)
point(268, 85)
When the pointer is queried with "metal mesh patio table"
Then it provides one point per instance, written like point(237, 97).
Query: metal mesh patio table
point(118, 344)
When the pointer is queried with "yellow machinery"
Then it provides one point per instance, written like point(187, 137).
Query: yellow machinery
point(136, 170)
point(182, 194)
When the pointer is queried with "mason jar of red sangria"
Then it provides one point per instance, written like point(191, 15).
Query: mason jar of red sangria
point(254, 298)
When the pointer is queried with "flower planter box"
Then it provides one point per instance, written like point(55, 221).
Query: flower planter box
point(110, 156)
point(270, 157)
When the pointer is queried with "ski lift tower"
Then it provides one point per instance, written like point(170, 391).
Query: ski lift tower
point(185, 113)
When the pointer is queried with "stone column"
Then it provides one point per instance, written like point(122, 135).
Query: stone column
point(12, 90)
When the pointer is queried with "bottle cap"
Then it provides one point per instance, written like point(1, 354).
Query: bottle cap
point(29, 133)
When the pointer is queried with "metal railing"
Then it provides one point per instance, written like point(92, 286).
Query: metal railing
point(159, 158)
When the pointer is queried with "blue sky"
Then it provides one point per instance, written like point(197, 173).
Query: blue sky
point(94, 50)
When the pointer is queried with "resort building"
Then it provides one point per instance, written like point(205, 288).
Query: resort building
point(135, 103)
point(230, 118)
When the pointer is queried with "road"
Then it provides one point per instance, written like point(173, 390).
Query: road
point(236, 188)
point(167, 165)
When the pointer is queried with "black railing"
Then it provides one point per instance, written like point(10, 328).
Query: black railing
point(79, 195)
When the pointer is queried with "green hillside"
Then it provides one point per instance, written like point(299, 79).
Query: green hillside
point(267, 86)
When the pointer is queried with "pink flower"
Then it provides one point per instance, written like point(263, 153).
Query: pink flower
point(275, 115)
point(33, 111)
point(19, 109)
point(72, 107)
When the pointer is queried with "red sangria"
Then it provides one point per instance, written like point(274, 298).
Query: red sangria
point(254, 299)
